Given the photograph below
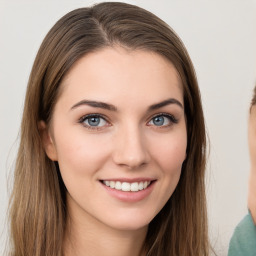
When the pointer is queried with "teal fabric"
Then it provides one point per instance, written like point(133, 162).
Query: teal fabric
point(243, 241)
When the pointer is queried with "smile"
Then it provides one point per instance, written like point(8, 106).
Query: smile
point(126, 186)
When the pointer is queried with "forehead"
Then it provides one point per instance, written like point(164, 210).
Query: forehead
point(112, 72)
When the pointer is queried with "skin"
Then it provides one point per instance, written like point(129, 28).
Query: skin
point(252, 149)
point(127, 144)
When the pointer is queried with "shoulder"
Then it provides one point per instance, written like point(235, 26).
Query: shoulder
point(243, 241)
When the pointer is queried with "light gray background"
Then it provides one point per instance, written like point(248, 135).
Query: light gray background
point(220, 36)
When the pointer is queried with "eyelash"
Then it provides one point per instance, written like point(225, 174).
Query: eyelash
point(84, 118)
point(171, 119)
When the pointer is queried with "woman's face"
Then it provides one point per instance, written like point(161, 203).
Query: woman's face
point(118, 132)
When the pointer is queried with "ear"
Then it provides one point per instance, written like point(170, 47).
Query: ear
point(48, 142)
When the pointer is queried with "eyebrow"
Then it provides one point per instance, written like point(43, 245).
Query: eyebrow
point(95, 104)
point(103, 105)
point(165, 103)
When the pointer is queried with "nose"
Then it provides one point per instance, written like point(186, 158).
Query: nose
point(130, 148)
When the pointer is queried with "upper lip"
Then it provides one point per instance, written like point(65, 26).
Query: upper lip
point(129, 180)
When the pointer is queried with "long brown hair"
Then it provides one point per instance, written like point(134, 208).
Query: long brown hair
point(38, 205)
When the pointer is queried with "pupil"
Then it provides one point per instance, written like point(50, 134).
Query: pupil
point(159, 120)
point(94, 121)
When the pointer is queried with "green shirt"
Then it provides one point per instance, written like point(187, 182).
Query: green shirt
point(243, 241)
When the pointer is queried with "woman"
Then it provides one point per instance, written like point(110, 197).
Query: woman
point(112, 151)
point(243, 241)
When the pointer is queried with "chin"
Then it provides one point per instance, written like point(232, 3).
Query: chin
point(129, 222)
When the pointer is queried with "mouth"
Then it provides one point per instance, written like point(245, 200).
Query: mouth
point(127, 186)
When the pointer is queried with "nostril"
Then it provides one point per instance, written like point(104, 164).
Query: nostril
point(130, 147)
point(132, 159)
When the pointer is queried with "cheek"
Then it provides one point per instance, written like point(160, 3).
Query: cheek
point(252, 140)
point(174, 156)
point(252, 148)
point(169, 156)
point(81, 154)
point(171, 153)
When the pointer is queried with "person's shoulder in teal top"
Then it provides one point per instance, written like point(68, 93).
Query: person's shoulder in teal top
point(243, 241)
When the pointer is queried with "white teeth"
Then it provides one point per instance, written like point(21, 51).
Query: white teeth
point(126, 186)
point(112, 184)
point(141, 186)
point(135, 186)
point(118, 185)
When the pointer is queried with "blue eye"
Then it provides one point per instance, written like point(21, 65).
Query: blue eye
point(159, 120)
point(93, 121)
point(162, 120)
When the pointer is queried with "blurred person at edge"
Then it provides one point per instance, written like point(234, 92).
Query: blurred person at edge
point(243, 241)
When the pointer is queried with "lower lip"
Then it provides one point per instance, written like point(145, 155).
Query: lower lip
point(130, 196)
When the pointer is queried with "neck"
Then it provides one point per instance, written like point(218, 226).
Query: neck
point(87, 236)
